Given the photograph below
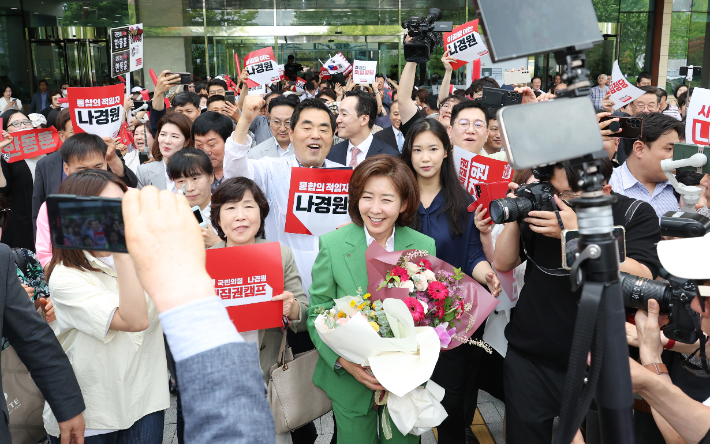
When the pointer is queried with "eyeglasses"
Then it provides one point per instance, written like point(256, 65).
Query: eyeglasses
point(649, 107)
point(478, 125)
point(217, 92)
point(20, 123)
point(446, 105)
point(278, 124)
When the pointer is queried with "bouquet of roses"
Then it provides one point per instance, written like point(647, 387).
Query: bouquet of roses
point(381, 335)
point(436, 294)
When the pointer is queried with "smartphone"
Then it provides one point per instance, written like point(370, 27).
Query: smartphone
point(14, 100)
point(516, 77)
point(630, 126)
point(340, 78)
point(487, 192)
point(686, 150)
point(185, 77)
point(498, 98)
point(697, 71)
point(198, 215)
point(229, 97)
point(86, 223)
point(570, 245)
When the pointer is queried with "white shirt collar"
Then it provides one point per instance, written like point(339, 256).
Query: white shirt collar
point(364, 146)
point(169, 184)
point(389, 245)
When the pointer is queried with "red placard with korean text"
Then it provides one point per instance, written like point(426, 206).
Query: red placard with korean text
point(465, 44)
point(697, 125)
point(473, 169)
point(261, 66)
point(96, 110)
point(317, 200)
point(31, 143)
point(245, 278)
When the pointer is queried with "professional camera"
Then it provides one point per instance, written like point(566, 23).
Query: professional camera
point(673, 298)
point(426, 36)
point(537, 196)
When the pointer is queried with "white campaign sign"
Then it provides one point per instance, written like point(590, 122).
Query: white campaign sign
point(257, 90)
point(309, 209)
point(622, 92)
point(136, 37)
point(262, 67)
point(697, 124)
point(364, 72)
point(465, 44)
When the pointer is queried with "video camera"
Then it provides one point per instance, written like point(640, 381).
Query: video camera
point(426, 33)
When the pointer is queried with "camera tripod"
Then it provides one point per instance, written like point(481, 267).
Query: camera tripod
point(600, 319)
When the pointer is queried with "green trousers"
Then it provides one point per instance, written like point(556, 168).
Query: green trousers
point(355, 428)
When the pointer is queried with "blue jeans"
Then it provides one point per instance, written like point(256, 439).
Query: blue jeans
point(147, 430)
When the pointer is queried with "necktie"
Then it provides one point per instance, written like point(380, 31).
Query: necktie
point(353, 159)
point(400, 141)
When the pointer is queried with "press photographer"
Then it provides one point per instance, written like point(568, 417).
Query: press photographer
point(678, 416)
point(536, 363)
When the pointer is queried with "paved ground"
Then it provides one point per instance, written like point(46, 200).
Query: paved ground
point(490, 408)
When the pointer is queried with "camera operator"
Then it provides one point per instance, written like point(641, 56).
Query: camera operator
point(540, 332)
point(641, 176)
point(679, 417)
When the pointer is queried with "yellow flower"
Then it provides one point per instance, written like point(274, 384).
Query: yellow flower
point(367, 296)
point(341, 315)
point(375, 326)
point(372, 315)
point(353, 303)
point(361, 306)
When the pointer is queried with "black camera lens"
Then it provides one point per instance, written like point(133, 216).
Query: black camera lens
point(637, 291)
point(509, 209)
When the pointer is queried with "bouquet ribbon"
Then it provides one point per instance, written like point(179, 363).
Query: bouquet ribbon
point(414, 413)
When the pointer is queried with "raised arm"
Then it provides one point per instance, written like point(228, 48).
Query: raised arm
point(244, 92)
point(163, 85)
point(407, 107)
point(237, 146)
point(446, 82)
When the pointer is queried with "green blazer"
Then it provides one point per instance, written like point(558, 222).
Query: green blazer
point(339, 270)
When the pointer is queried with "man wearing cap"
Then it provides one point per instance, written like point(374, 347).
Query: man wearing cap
point(680, 418)
point(136, 93)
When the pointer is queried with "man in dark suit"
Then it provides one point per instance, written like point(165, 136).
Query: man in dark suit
point(72, 157)
point(41, 99)
point(356, 116)
point(39, 350)
point(392, 135)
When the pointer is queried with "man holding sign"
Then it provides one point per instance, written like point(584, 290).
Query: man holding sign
point(311, 132)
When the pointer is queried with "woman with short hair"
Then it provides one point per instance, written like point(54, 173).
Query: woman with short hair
point(383, 201)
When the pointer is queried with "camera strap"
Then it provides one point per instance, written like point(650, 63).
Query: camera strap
point(550, 271)
point(702, 339)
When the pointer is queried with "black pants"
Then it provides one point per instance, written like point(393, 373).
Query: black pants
point(533, 396)
point(457, 371)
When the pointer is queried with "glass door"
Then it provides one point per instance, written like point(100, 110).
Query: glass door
point(49, 64)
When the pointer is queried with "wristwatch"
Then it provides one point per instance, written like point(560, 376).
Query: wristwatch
point(657, 368)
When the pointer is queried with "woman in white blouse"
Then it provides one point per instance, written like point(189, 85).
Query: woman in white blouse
point(173, 134)
point(7, 102)
point(109, 329)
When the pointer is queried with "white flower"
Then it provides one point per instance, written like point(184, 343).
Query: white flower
point(426, 307)
point(408, 285)
point(420, 282)
point(412, 268)
point(430, 275)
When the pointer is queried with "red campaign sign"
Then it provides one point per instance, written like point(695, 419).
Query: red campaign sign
point(124, 135)
point(300, 85)
point(317, 200)
point(474, 169)
point(261, 66)
point(246, 289)
point(97, 110)
point(465, 44)
point(697, 125)
point(324, 72)
point(31, 143)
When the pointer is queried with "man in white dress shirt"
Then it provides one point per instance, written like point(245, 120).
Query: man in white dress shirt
point(493, 147)
point(311, 132)
point(280, 111)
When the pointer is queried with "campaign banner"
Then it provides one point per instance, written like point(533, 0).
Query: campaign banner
point(96, 110)
point(282, 73)
point(465, 44)
point(126, 49)
point(325, 75)
point(31, 143)
point(300, 85)
point(246, 290)
point(473, 169)
point(258, 90)
point(136, 38)
point(622, 92)
point(364, 72)
point(317, 200)
point(338, 64)
point(697, 124)
point(262, 67)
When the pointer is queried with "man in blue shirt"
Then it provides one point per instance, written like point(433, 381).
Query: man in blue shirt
point(599, 91)
point(41, 99)
point(641, 177)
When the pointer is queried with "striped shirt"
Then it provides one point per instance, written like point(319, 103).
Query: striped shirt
point(663, 200)
point(597, 95)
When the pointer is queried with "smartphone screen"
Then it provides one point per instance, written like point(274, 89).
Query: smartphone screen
point(570, 245)
point(86, 223)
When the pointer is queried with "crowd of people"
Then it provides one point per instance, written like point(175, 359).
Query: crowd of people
point(99, 355)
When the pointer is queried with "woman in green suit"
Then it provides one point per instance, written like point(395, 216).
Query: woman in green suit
point(383, 200)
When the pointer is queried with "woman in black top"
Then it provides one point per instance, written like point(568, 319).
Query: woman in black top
point(443, 215)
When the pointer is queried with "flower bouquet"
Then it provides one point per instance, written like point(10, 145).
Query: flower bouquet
point(437, 294)
point(381, 335)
